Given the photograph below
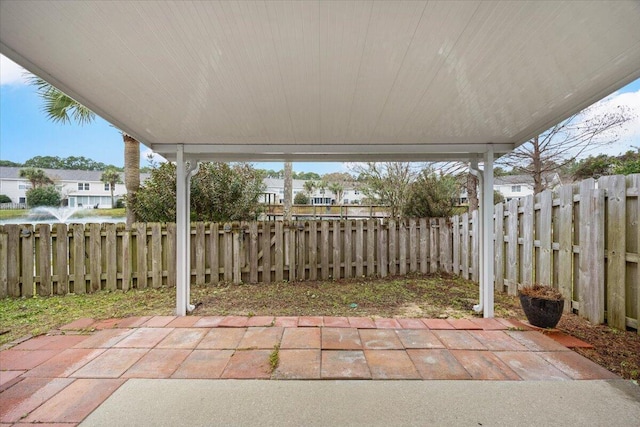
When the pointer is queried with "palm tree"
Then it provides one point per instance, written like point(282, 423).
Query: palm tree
point(112, 177)
point(309, 186)
point(59, 107)
point(322, 186)
point(37, 177)
point(337, 189)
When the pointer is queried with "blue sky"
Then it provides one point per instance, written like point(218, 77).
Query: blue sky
point(25, 132)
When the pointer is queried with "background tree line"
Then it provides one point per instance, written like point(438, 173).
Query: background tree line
point(68, 163)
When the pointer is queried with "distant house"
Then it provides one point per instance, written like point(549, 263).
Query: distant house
point(78, 188)
point(516, 186)
point(274, 193)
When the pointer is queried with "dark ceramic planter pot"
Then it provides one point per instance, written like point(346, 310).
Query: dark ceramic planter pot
point(542, 313)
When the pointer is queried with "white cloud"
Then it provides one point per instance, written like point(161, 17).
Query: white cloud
point(629, 133)
point(11, 73)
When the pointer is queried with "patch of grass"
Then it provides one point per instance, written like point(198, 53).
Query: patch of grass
point(274, 358)
point(39, 315)
point(12, 213)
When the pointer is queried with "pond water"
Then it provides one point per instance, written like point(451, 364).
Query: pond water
point(54, 215)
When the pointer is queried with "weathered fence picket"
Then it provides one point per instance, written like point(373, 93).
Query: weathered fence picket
point(582, 239)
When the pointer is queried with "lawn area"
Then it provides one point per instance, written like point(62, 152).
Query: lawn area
point(12, 213)
point(432, 296)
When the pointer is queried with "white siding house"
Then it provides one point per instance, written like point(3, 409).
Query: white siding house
point(274, 193)
point(517, 186)
point(78, 188)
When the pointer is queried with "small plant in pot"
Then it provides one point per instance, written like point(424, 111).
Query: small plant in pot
point(542, 305)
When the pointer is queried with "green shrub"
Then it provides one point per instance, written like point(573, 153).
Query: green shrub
point(219, 192)
point(301, 199)
point(43, 196)
point(4, 198)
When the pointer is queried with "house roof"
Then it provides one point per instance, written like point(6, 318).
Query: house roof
point(319, 80)
point(522, 179)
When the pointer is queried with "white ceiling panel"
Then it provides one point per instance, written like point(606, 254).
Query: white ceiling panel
point(328, 80)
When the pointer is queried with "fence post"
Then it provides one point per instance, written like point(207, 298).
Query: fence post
point(633, 223)
point(78, 254)
point(111, 259)
point(127, 258)
point(371, 246)
point(141, 255)
point(279, 251)
point(393, 247)
point(434, 249)
point(565, 242)
point(360, 243)
point(198, 249)
point(424, 246)
point(27, 236)
point(301, 248)
point(475, 246)
point(337, 250)
point(528, 242)
point(402, 246)
point(348, 262)
point(156, 255)
point(445, 246)
point(545, 229)
point(313, 250)
point(591, 261)
point(456, 244)
point(170, 255)
point(61, 260)
point(266, 252)
point(95, 257)
point(324, 249)
point(237, 250)
point(382, 251)
point(464, 246)
point(4, 258)
point(253, 251)
point(43, 255)
point(512, 248)
point(498, 227)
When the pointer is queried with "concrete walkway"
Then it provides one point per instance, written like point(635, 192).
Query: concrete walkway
point(63, 378)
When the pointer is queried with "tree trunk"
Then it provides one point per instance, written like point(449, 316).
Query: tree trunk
point(288, 190)
point(131, 173)
point(536, 162)
point(472, 192)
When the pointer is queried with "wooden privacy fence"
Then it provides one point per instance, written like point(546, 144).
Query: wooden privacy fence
point(582, 239)
point(77, 258)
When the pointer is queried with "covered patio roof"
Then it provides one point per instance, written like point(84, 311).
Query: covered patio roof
point(327, 80)
point(334, 81)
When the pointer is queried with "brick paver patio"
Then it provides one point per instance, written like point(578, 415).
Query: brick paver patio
point(63, 377)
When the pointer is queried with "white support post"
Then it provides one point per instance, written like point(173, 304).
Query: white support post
point(191, 170)
point(182, 276)
point(487, 234)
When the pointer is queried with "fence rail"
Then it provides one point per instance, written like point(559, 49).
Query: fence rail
point(582, 239)
point(77, 258)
